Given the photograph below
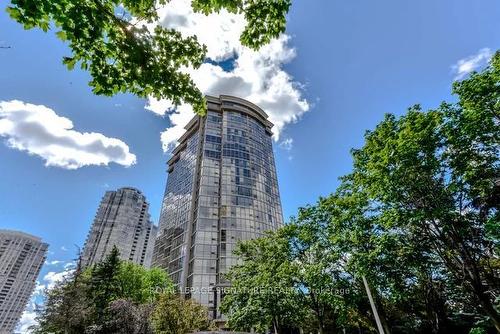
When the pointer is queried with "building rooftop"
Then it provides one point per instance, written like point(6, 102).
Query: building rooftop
point(20, 234)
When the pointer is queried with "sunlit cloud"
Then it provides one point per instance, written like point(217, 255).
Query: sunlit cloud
point(257, 76)
point(38, 130)
point(467, 65)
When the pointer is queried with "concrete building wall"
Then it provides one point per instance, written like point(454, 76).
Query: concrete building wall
point(21, 259)
point(122, 220)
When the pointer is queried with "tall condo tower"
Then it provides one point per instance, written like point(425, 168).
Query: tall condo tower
point(221, 188)
point(122, 220)
point(21, 258)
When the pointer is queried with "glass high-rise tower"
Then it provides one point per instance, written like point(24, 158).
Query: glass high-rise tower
point(221, 188)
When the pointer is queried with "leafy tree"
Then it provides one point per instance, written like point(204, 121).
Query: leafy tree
point(104, 287)
point(66, 309)
point(418, 217)
point(109, 297)
point(116, 296)
point(111, 40)
point(431, 178)
point(409, 285)
point(142, 286)
point(321, 276)
point(264, 292)
point(337, 245)
point(129, 317)
point(297, 277)
point(175, 315)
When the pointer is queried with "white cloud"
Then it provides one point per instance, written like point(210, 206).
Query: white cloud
point(27, 320)
point(219, 32)
point(70, 265)
point(39, 131)
point(178, 119)
point(257, 76)
point(64, 249)
point(28, 317)
point(53, 263)
point(39, 288)
point(286, 144)
point(472, 63)
point(52, 278)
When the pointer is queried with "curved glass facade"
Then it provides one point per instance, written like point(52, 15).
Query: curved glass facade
point(222, 188)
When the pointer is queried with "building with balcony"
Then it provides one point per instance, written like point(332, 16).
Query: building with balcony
point(122, 220)
point(21, 259)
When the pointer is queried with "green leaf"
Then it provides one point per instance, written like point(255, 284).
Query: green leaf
point(108, 45)
point(61, 34)
point(69, 62)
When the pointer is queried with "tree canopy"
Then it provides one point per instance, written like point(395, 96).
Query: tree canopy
point(175, 315)
point(125, 49)
point(263, 290)
point(117, 296)
point(418, 217)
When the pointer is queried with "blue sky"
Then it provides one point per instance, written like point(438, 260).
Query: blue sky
point(353, 61)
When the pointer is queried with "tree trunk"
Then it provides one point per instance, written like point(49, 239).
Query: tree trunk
point(489, 309)
point(319, 315)
point(475, 279)
point(454, 241)
point(383, 316)
point(276, 327)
